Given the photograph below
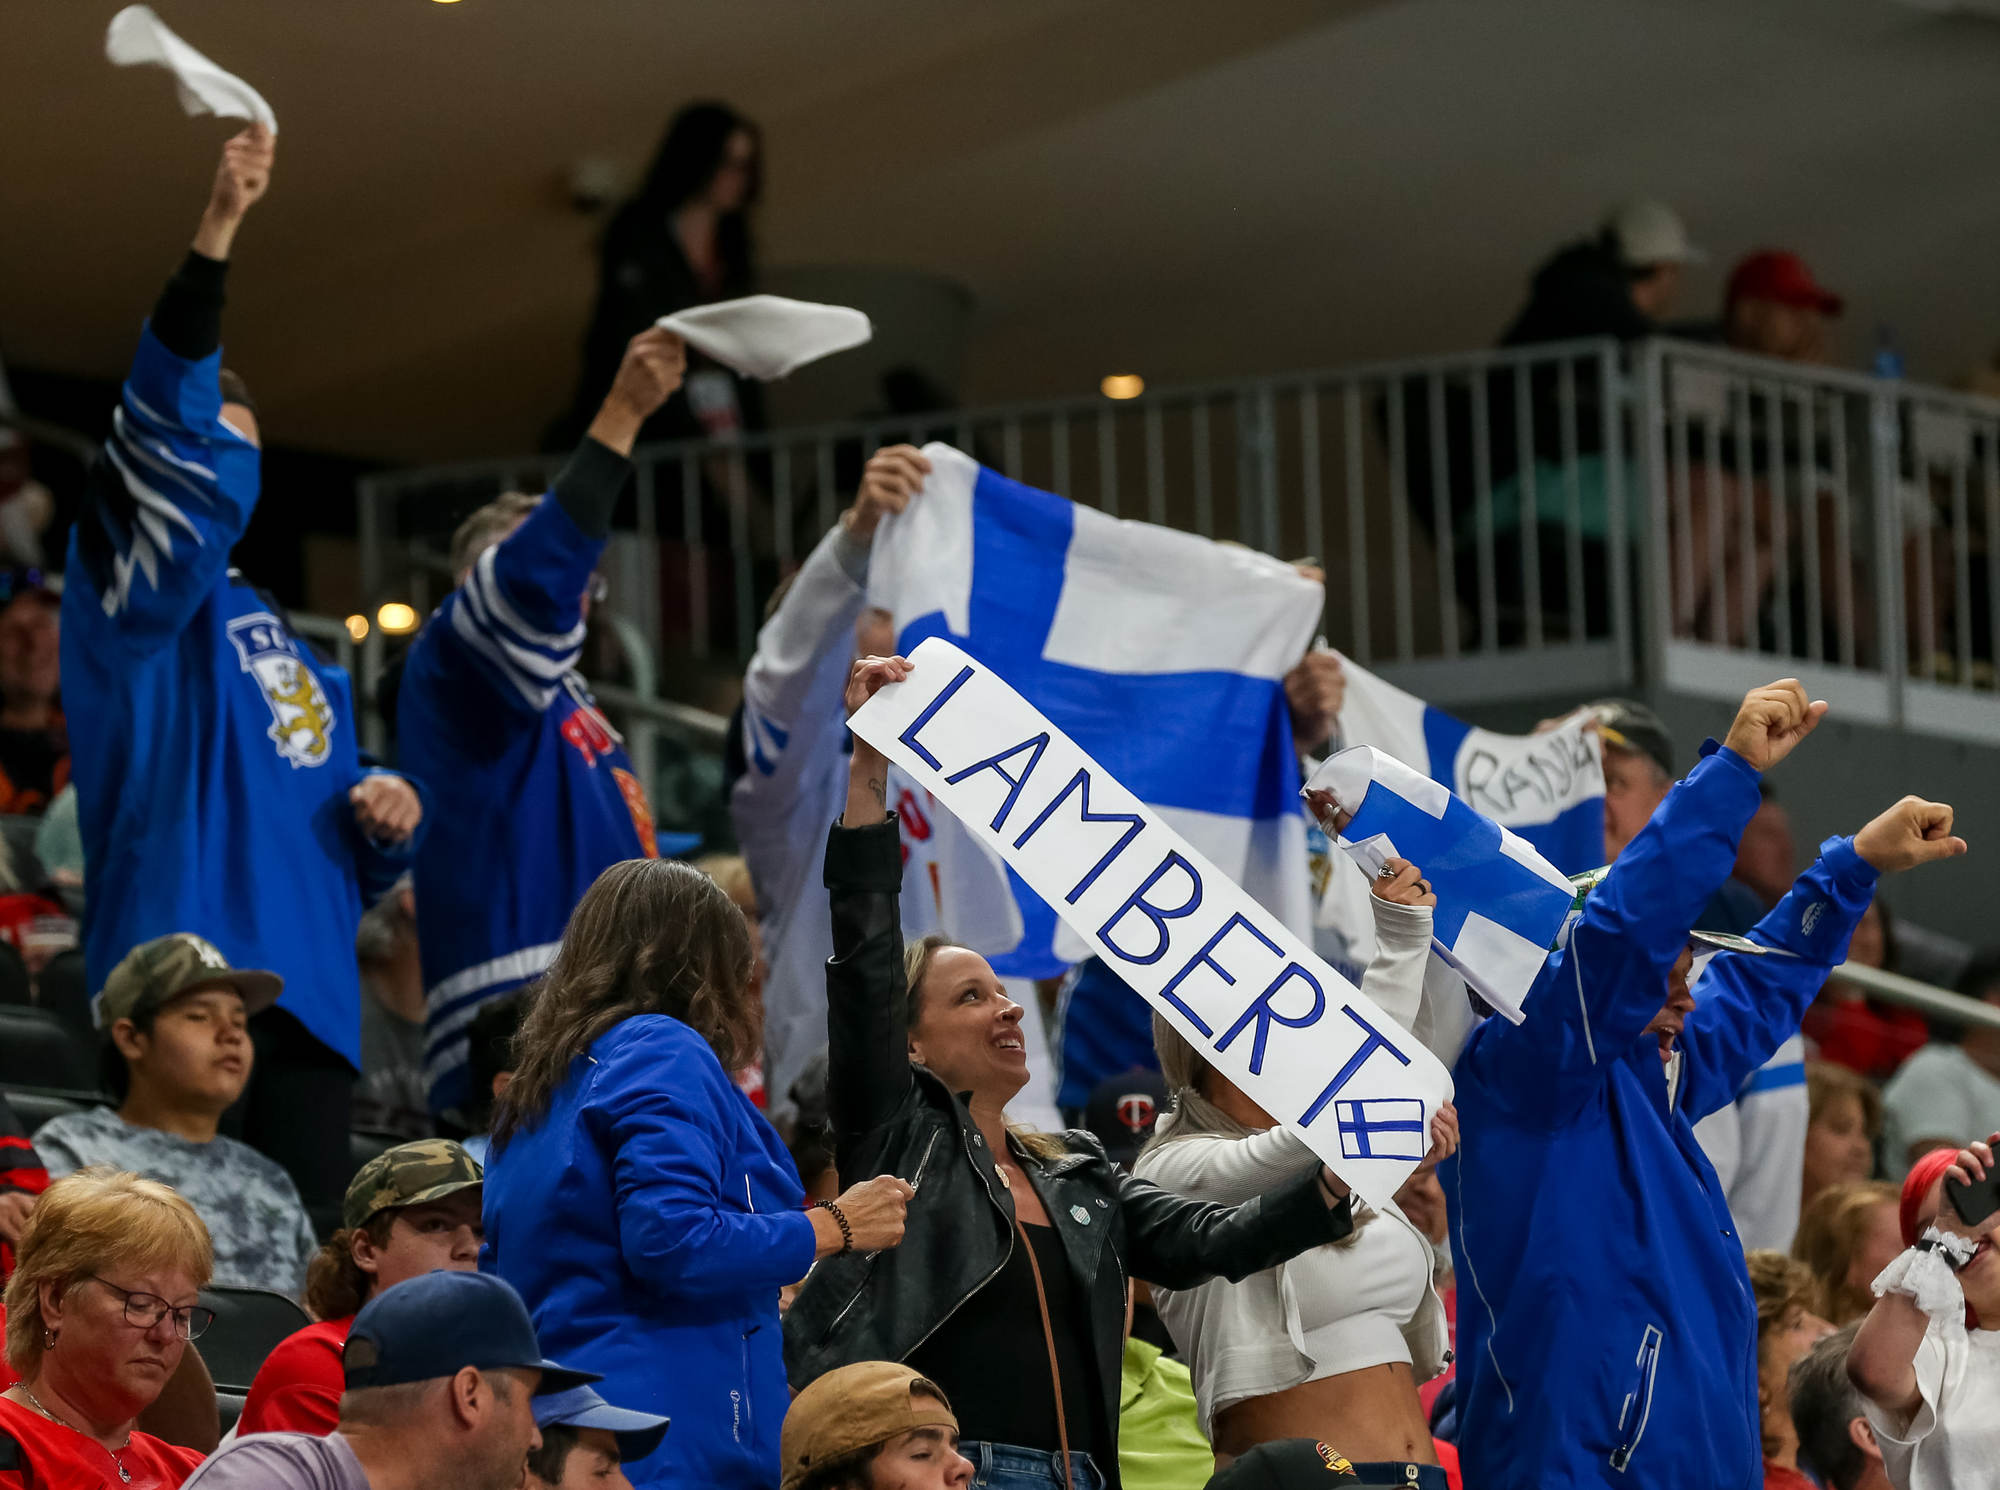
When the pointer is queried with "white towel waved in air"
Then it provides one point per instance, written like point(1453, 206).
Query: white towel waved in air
point(768, 336)
point(137, 37)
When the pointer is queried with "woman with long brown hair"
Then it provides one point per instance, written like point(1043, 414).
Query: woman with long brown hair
point(643, 1208)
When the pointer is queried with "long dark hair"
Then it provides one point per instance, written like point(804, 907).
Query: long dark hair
point(652, 936)
point(690, 153)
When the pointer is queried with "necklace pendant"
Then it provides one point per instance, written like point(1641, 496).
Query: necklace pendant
point(123, 1473)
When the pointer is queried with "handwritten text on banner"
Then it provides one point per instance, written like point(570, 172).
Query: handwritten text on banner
point(1301, 1041)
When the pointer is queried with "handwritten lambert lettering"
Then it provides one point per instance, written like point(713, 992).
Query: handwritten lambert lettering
point(1180, 932)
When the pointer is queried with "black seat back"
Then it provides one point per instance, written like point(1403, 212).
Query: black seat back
point(36, 1049)
point(36, 1105)
point(249, 1324)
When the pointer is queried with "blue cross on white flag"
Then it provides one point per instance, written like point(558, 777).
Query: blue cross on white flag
point(1381, 1128)
point(1160, 653)
point(1547, 787)
point(1500, 904)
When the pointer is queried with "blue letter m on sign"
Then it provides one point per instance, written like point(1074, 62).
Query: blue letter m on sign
point(1381, 1128)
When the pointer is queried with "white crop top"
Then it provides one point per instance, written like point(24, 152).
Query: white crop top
point(1355, 1302)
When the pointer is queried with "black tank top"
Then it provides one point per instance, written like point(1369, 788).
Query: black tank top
point(993, 1363)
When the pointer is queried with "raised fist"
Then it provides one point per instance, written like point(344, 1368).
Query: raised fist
point(244, 173)
point(1912, 832)
point(650, 372)
point(895, 473)
point(1772, 721)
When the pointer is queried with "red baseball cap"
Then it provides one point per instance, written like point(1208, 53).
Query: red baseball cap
point(1777, 274)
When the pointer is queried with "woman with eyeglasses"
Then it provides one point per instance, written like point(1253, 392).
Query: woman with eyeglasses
point(104, 1298)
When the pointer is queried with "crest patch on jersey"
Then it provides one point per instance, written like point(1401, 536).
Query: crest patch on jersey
point(301, 718)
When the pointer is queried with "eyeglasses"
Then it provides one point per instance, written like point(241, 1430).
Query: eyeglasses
point(146, 1310)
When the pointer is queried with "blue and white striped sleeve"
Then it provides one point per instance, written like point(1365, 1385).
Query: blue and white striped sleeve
point(169, 497)
point(520, 611)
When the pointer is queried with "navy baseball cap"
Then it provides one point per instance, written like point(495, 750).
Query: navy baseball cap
point(439, 1324)
point(638, 1433)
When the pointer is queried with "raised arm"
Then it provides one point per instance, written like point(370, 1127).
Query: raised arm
point(869, 1081)
point(1897, 1362)
point(515, 625)
point(792, 689)
point(178, 478)
point(1598, 994)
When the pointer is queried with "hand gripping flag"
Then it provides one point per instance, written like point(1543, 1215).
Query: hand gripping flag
point(1500, 905)
point(1161, 653)
point(1255, 1003)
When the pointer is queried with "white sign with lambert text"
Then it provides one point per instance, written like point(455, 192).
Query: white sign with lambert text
point(1257, 1005)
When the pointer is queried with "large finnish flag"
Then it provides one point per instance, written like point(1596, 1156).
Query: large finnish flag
point(1160, 653)
point(1549, 788)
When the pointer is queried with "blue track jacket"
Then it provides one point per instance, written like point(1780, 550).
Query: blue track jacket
point(649, 1221)
point(1607, 1334)
point(212, 752)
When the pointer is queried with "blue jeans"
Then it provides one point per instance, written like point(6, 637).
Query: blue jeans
point(1002, 1466)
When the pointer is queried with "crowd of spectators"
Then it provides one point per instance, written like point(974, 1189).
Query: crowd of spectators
point(1733, 1206)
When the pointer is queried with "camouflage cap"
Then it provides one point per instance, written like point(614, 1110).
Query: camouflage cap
point(169, 966)
point(409, 1174)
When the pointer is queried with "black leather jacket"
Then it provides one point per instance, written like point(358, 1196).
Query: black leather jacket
point(892, 1117)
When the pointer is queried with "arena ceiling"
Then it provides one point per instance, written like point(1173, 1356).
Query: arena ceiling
point(1182, 187)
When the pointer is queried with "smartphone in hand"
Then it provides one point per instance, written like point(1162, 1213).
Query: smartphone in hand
point(1976, 1201)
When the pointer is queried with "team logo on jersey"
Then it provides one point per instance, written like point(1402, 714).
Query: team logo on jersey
point(641, 810)
point(301, 718)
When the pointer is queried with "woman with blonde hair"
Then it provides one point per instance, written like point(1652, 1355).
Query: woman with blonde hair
point(1843, 1120)
point(1333, 1344)
point(1847, 1235)
point(1009, 1290)
point(105, 1296)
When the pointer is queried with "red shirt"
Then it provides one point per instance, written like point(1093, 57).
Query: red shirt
point(36, 1454)
point(1872, 1039)
point(298, 1387)
point(1777, 1477)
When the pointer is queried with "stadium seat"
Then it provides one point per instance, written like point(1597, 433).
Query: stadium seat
point(36, 1049)
point(249, 1323)
point(364, 1144)
point(35, 1105)
point(229, 1407)
point(61, 989)
point(14, 985)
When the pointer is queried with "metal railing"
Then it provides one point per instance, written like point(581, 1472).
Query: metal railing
point(1496, 524)
point(1844, 525)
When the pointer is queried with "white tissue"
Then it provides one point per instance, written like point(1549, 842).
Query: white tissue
point(137, 37)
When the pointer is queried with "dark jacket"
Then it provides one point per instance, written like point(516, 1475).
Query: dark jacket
point(891, 1117)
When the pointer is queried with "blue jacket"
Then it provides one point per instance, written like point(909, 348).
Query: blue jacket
point(649, 1221)
point(1607, 1334)
point(212, 752)
point(535, 794)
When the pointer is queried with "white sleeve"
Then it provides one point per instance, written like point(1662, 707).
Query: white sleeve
point(1411, 984)
point(1771, 1157)
point(1900, 1439)
point(792, 714)
point(1227, 1171)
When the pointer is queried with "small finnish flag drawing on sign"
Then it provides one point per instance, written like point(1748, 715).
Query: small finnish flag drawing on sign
point(1381, 1128)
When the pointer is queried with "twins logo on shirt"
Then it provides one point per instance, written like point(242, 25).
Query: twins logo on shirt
point(301, 718)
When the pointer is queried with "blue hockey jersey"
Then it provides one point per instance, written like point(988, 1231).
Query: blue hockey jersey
point(212, 754)
point(1607, 1334)
point(534, 794)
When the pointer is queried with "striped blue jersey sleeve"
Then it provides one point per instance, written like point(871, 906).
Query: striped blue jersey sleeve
point(169, 497)
point(519, 615)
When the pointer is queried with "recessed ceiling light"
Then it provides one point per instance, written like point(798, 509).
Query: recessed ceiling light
point(1122, 385)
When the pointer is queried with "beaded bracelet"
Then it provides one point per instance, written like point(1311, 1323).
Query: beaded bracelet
point(846, 1232)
